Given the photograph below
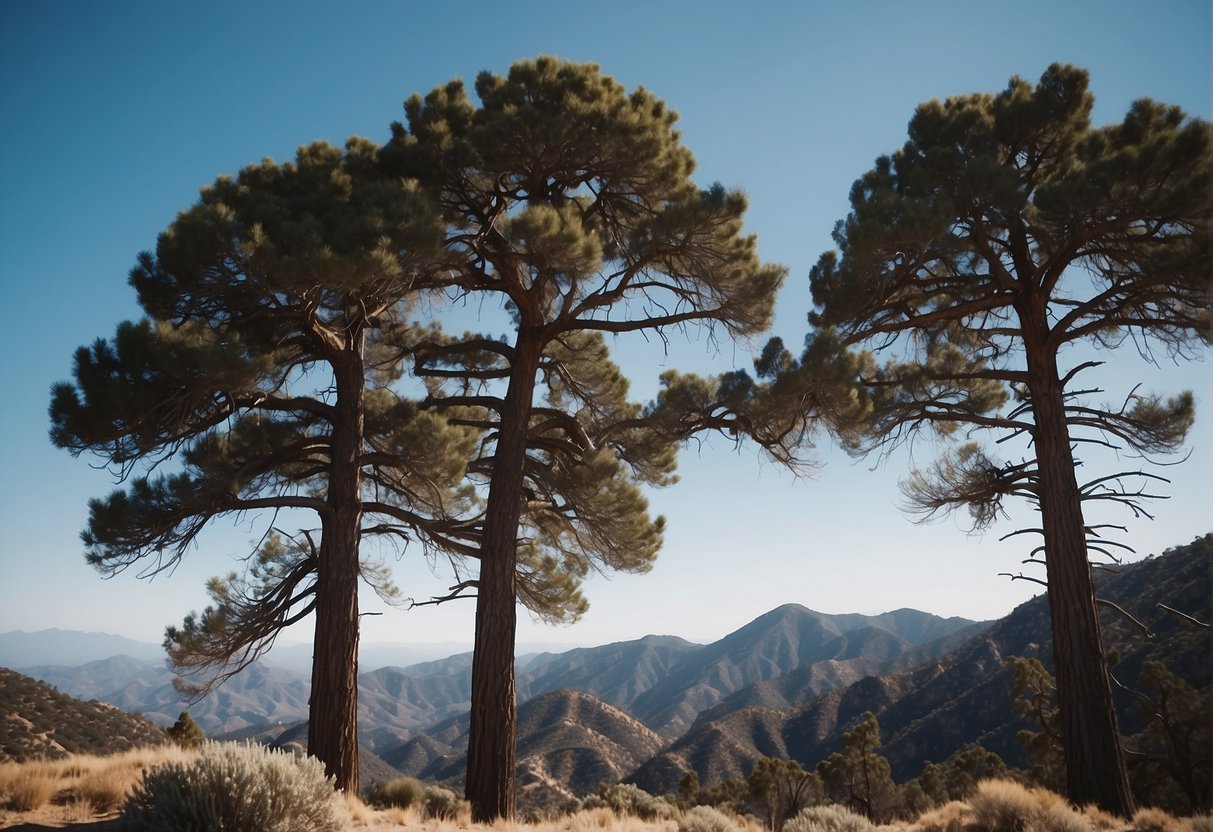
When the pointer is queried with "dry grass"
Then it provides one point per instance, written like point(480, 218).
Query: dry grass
point(1006, 806)
point(87, 785)
point(32, 790)
point(1156, 820)
point(950, 817)
point(82, 789)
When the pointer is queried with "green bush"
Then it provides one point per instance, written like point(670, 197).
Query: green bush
point(707, 819)
point(828, 818)
point(444, 804)
point(629, 799)
point(185, 732)
point(236, 788)
point(401, 792)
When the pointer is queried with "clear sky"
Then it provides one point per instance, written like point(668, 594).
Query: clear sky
point(116, 113)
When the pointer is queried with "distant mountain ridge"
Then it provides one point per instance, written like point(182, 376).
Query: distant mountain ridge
point(69, 648)
point(930, 711)
point(785, 685)
point(664, 681)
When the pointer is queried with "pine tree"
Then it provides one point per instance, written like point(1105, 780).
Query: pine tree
point(782, 787)
point(260, 381)
point(185, 732)
point(570, 201)
point(857, 775)
point(1006, 231)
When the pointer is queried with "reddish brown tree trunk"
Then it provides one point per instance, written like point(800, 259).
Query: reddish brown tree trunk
point(332, 735)
point(1095, 767)
point(491, 751)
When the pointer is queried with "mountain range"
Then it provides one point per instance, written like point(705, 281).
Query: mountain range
point(663, 681)
point(786, 684)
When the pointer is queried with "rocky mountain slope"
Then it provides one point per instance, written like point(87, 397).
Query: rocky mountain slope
point(38, 721)
point(569, 744)
point(927, 713)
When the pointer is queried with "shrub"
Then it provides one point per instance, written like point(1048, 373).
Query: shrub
point(401, 792)
point(1150, 819)
point(185, 732)
point(950, 817)
point(444, 804)
point(1004, 806)
point(828, 818)
point(236, 788)
point(629, 799)
point(707, 819)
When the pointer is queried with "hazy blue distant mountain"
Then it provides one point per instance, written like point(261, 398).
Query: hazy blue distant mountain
point(615, 673)
point(19, 649)
point(786, 638)
point(664, 680)
point(258, 695)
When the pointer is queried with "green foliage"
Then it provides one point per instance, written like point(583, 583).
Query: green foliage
point(727, 794)
point(857, 776)
point(706, 819)
point(1173, 761)
point(401, 792)
point(1036, 701)
point(1005, 230)
point(783, 788)
point(828, 818)
point(569, 202)
point(629, 799)
point(242, 788)
point(185, 732)
point(688, 786)
point(444, 804)
point(958, 776)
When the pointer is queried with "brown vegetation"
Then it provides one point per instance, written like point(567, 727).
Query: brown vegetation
point(83, 791)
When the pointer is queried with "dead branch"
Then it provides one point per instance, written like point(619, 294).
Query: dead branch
point(1183, 615)
point(1104, 602)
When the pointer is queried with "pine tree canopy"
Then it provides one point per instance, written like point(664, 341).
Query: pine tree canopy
point(1004, 235)
point(569, 202)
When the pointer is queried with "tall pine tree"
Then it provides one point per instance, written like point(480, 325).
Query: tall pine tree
point(260, 382)
point(1004, 232)
point(570, 201)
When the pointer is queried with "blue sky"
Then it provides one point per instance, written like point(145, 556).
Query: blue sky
point(117, 113)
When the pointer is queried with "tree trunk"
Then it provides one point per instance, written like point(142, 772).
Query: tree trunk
point(491, 751)
point(332, 735)
point(1090, 736)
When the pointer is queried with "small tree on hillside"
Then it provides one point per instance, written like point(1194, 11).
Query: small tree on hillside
point(1177, 743)
point(1036, 701)
point(1004, 232)
point(783, 788)
point(857, 775)
point(569, 201)
point(185, 732)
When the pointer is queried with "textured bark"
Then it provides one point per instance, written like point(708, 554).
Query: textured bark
point(492, 757)
point(333, 709)
point(1095, 767)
